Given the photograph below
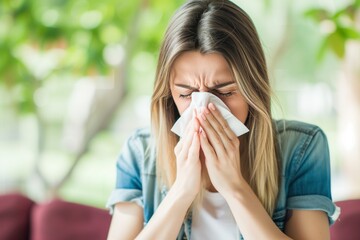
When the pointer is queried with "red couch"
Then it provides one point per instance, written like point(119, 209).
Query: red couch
point(347, 227)
point(23, 219)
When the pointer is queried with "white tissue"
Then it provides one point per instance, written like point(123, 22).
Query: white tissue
point(202, 99)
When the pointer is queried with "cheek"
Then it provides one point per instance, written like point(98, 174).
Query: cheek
point(182, 107)
point(239, 109)
point(181, 104)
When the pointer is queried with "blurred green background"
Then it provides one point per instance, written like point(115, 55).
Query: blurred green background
point(76, 79)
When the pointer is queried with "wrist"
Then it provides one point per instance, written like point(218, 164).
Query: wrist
point(238, 192)
point(182, 193)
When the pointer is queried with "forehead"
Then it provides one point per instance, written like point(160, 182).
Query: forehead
point(193, 65)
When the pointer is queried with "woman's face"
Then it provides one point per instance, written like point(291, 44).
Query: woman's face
point(196, 72)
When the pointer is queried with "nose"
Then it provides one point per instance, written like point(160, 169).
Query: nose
point(204, 89)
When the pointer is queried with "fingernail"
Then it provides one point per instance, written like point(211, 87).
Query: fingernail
point(212, 106)
point(206, 110)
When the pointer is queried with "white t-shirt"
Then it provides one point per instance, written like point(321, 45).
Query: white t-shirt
point(213, 220)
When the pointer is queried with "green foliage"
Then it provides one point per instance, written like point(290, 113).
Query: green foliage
point(80, 30)
point(338, 27)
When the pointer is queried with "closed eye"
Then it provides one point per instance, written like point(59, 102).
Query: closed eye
point(226, 94)
point(186, 96)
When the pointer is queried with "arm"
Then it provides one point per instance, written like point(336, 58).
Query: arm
point(251, 217)
point(306, 224)
point(127, 221)
point(167, 220)
point(255, 223)
point(221, 149)
point(125, 201)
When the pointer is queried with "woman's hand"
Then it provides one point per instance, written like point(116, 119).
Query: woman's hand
point(221, 149)
point(170, 214)
point(188, 166)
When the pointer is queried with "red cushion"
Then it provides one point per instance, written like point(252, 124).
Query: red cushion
point(347, 227)
point(60, 220)
point(15, 216)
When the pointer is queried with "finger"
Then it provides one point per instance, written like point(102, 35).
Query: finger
point(216, 126)
point(222, 121)
point(214, 135)
point(188, 129)
point(188, 138)
point(206, 147)
point(194, 150)
point(222, 127)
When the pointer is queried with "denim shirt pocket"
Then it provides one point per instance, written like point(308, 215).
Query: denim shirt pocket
point(278, 218)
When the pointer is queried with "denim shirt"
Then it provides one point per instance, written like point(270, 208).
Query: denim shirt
point(304, 184)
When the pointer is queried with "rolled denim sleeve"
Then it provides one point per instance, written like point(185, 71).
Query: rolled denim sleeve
point(128, 175)
point(310, 183)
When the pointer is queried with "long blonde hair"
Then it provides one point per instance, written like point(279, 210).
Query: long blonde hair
point(219, 26)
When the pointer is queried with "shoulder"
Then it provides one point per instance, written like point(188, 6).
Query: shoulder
point(297, 133)
point(284, 127)
point(141, 134)
point(299, 142)
point(138, 151)
point(305, 167)
point(139, 140)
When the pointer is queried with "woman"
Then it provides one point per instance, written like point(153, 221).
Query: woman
point(270, 183)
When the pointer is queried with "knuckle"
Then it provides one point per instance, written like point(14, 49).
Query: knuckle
point(217, 141)
point(218, 128)
point(232, 154)
point(235, 141)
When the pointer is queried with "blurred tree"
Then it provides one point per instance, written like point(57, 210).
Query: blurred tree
point(97, 39)
point(40, 39)
point(342, 37)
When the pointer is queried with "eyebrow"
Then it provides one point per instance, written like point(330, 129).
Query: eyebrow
point(211, 88)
